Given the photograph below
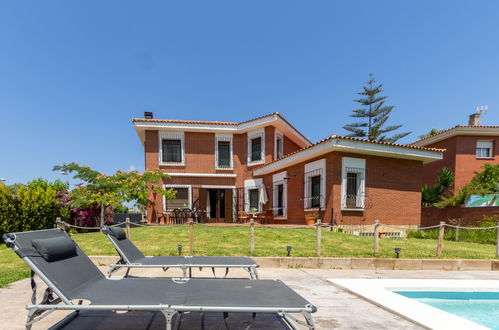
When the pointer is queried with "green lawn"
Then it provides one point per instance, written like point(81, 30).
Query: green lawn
point(234, 241)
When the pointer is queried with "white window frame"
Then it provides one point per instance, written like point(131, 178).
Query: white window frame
point(309, 170)
point(229, 138)
point(171, 136)
point(252, 135)
point(278, 179)
point(278, 135)
point(485, 144)
point(248, 185)
point(168, 186)
point(360, 163)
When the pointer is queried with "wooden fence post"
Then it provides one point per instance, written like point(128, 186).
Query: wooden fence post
point(252, 236)
point(441, 236)
point(191, 237)
point(497, 240)
point(127, 226)
point(318, 238)
point(376, 237)
point(456, 236)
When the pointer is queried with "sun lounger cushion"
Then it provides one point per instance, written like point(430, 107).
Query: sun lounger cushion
point(117, 232)
point(55, 248)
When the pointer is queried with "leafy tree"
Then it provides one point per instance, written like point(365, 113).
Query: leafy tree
point(102, 190)
point(484, 182)
point(8, 213)
point(375, 114)
point(433, 131)
point(57, 185)
point(37, 207)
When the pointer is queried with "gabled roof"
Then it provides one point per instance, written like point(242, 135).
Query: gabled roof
point(458, 130)
point(353, 145)
point(141, 124)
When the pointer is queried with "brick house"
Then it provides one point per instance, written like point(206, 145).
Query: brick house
point(226, 168)
point(467, 149)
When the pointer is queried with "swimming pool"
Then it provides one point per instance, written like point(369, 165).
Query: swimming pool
point(433, 303)
point(479, 307)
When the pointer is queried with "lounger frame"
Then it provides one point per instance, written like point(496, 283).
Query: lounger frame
point(186, 268)
point(37, 312)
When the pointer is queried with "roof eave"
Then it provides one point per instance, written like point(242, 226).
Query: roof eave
point(359, 147)
point(455, 131)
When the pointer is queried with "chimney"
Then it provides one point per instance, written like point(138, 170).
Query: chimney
point(148, 115)
point(475, 119)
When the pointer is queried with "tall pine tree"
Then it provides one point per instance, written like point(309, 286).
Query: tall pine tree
point(374, 113)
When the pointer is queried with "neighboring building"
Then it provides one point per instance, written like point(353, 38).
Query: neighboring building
point(467, 149)
point(227, 168)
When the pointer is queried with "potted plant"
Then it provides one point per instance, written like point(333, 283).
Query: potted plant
point(311, 218)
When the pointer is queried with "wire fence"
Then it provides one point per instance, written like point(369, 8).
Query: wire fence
point(373, 230)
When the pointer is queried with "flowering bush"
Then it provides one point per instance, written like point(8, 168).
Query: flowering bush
point(90, 217)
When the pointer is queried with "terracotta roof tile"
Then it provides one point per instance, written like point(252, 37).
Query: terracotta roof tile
point(455, 127)
point(138, 120)
point(334, 136)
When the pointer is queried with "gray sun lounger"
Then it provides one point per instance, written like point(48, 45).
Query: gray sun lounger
point(131, 257)
point(80, 285)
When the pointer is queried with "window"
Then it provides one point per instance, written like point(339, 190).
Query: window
point(315, 188)
point(171, 148)
point(315, 184)
point(484, 149)
point(182, 198)
point(352, 189)
point(256, 147)
point(278, 145)
point(254, 199)
point(172, 151)
point(223, 154)
point(353, 195)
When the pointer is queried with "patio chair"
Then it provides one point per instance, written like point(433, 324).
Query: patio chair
point(79, 285)
point(131, 257)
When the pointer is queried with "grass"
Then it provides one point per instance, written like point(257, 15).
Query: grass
point(234, 241)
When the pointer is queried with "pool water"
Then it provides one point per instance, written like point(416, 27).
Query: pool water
point(478, 307)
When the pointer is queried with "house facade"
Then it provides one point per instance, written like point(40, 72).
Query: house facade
point(226, 169)
point(468, 148)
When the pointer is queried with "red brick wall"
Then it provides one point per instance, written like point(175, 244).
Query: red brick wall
point(468, 216)
point(393, 187)
point(430, 170)
point(289, 146)
point(467, 163)
point(200, 158)
point(460, 157)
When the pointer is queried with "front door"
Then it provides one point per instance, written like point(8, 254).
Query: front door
point(217, 204)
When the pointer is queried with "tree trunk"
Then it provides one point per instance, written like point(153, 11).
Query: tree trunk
point(102, 214)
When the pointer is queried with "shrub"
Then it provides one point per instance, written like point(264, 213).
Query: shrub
point(37, 207)
point(8, 213)
point(484, 182)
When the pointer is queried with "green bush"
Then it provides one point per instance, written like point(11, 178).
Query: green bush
point(8, 212)
point(37, 207)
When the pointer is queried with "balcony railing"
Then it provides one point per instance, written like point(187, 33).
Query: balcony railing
point(355, 202)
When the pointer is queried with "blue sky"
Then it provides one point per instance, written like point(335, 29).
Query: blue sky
point(74, 74)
